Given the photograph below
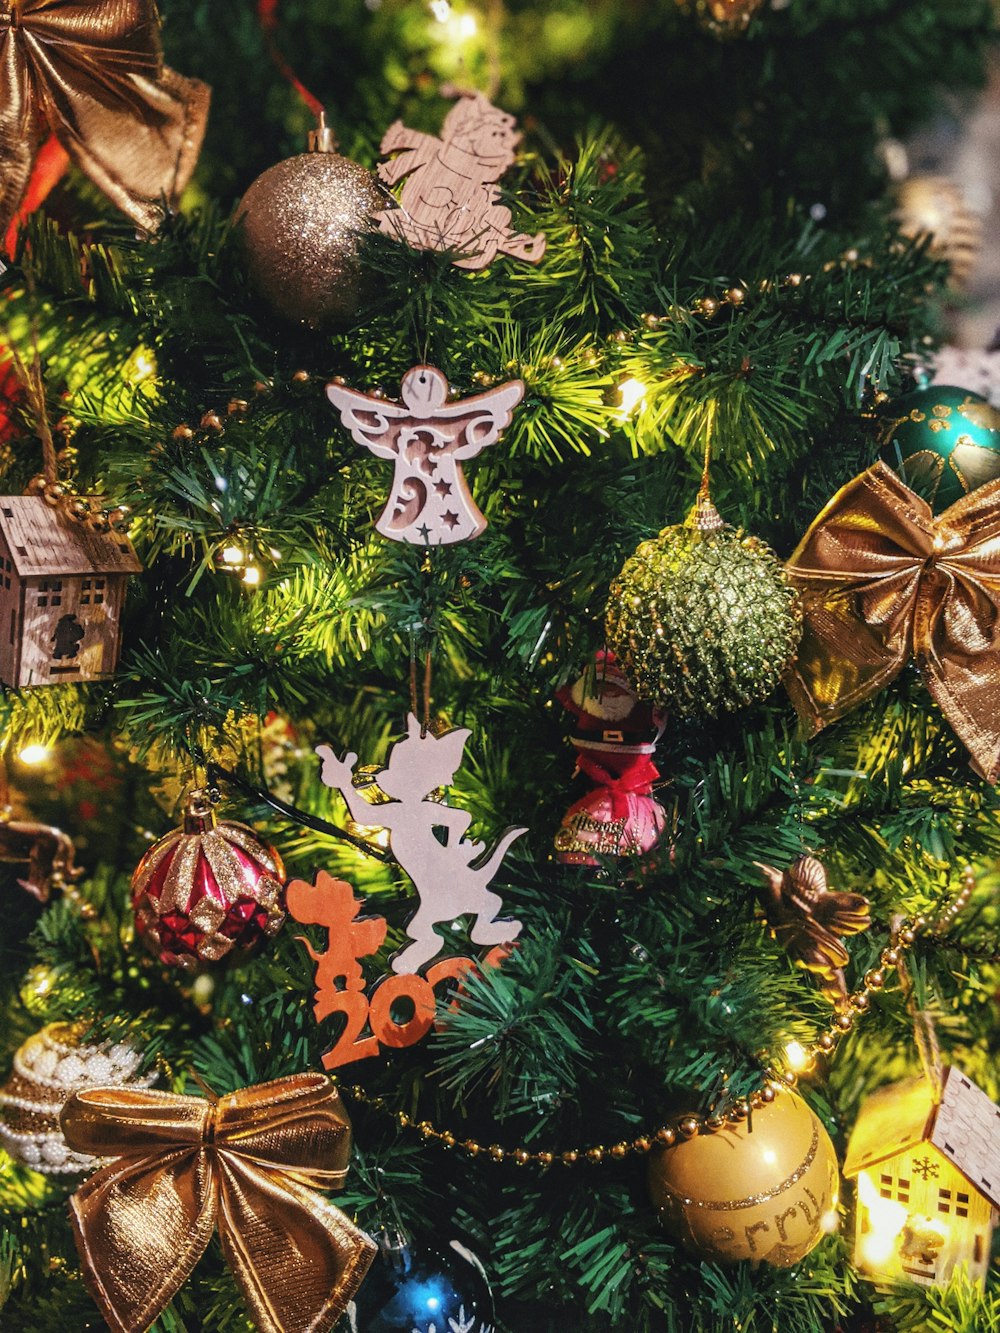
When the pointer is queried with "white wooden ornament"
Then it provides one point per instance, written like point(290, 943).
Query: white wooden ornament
point(450, 199)
point(452, 876)
point(428, 438)
point(62, 588)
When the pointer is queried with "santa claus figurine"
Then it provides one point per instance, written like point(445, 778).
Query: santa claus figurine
point(614, 736)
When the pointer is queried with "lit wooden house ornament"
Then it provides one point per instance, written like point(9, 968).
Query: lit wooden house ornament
point(928, 1180)
point(62, 588)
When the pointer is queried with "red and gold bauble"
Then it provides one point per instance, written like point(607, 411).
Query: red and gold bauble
point(207, 889)
point(763, 1188)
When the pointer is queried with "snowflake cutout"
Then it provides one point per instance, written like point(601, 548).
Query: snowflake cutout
point(926, 1168)
point(459, 1325)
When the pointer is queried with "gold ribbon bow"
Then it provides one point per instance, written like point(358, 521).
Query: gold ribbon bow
point(249, 1163)
point(92, 72)
point(882, 579)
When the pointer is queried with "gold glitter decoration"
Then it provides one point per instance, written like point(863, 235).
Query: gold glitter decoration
point(702, 618)
point(769, 1194)
point(300, 227)
point(935, 208)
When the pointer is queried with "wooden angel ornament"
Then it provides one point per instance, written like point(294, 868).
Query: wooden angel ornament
point(809, 920)
point(450, 199)
point(427, 438)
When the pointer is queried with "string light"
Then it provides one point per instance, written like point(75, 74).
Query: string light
point(252, 576)
point(233, 556)
point(34, 755)
point(631, 395)
point(140, 366)
point(797, 1057)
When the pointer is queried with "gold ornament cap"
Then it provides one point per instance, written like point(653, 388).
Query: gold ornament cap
point(704, 517)
point(322, 139)
point(199, 813)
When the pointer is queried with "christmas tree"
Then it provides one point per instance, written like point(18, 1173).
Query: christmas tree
point(653, 827)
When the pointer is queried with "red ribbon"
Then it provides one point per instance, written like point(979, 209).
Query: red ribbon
point(267, 13)
point(636, 780)
point(51, 164)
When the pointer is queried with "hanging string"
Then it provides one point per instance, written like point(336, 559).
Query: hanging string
point(706, 467)
point(34, 391)
point(214, 773)
point(421, 708)
point(924, 1031)
point(494, 24)
point(414, 709)
point(267, 13)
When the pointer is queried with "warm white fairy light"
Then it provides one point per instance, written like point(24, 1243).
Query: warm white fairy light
point(34, 755)
point(631, 395)
point(797, 1057)
point(886, 1220)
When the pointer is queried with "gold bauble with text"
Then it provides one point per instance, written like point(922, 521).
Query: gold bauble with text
point(763, 1188)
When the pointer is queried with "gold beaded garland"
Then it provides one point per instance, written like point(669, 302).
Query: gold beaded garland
point(689, 1125)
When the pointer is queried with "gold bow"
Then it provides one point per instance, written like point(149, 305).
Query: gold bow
point(92, 72)
point(882, 579)
point(249, 1163)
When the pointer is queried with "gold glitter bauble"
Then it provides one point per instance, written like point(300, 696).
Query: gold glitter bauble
point(763, 1188)
point(48, 1069)
point(300, 226)
point(703, 619)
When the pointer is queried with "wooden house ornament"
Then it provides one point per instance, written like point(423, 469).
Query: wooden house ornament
point(62, 588)
point(928, 1180)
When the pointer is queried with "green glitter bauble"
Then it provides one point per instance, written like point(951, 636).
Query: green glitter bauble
point(943, 442)
point(702, 618)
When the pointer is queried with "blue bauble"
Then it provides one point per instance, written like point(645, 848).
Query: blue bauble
point(424, 1291)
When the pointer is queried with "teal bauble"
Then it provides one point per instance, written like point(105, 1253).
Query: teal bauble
point(942, 441)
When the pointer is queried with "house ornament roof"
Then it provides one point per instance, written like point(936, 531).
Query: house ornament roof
point(964, 1126)
point(44, 541)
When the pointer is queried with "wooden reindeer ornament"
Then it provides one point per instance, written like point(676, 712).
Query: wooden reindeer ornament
point(450, 199)
point(47, 851)
point(452, 876)
point(427, 438)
